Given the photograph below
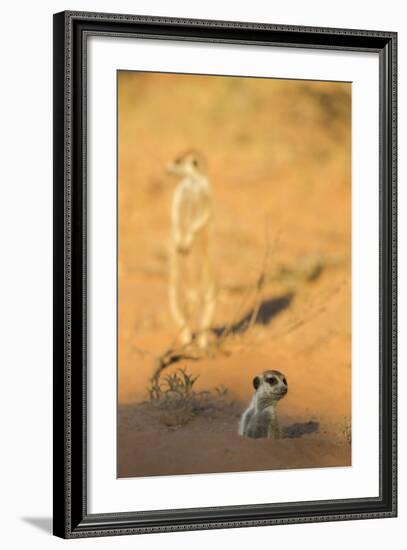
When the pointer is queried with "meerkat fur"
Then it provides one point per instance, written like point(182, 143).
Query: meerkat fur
point(191, 284)
point(260, 418)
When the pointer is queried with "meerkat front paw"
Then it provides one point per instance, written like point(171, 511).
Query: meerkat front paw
point(182, 249)
point(184, 245)
point(275, 432)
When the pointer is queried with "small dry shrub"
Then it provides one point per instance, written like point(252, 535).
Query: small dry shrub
point(175, 396)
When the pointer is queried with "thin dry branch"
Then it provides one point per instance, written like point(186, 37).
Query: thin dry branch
point(190, 352)
point(314, 311)
point(258, 292)
point(171, 356)
point(262, 277)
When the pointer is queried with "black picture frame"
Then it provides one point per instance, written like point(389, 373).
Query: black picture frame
point(71, 518)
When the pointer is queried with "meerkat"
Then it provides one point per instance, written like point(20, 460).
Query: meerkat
point(191, 284)
point(260, 418)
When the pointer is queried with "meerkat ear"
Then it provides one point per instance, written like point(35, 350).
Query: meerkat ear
point(256, 382)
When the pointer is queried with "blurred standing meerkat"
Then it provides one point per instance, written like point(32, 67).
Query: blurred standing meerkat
point(191, 283)
point(260, 418)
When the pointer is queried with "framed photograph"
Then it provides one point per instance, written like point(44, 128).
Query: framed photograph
point(224, 274)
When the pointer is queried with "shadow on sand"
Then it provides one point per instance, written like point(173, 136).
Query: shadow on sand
point(300, 428)
point(263, 315)
point(268, 309)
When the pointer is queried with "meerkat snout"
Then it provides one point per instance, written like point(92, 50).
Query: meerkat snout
point(260, 418)
point(188, 164)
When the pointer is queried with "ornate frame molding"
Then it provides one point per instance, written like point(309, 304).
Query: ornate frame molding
point(71, 30)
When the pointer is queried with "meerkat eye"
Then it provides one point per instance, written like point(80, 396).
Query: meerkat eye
point(285, 381)
point(194, 162)
point(272, 381)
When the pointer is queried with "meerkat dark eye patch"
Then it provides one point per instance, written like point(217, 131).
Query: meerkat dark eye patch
point(272, 380)
point(256, 382)
point(285, 381)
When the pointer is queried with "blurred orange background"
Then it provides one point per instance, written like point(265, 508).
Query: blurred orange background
point(278, 155)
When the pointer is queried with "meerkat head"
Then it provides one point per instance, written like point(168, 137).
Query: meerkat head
point(188, 164)
point(270, 386)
